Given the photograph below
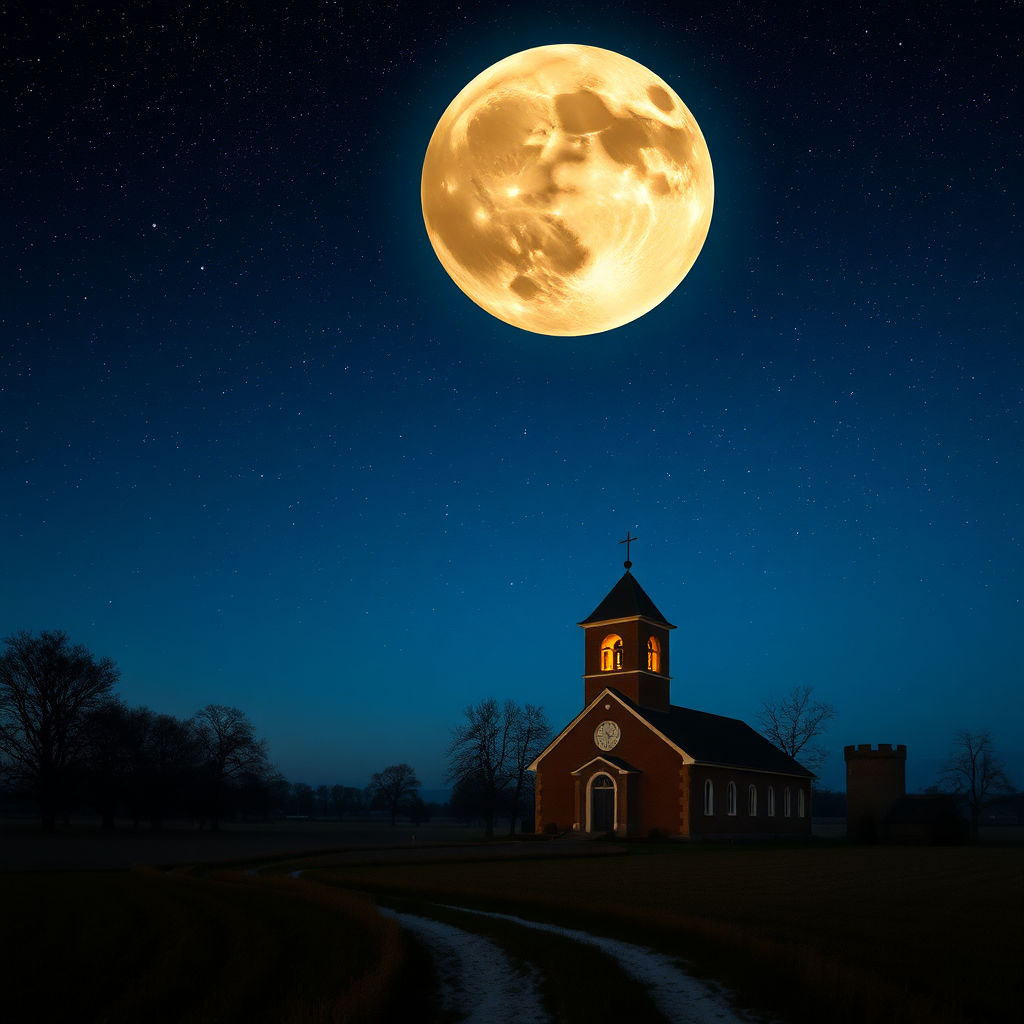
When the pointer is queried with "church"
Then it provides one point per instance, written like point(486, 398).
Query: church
point(632, 762)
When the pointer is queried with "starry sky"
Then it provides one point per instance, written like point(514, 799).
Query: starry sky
point(257, 447)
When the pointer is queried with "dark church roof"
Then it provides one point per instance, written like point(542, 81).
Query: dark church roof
point(712, 739)
point(624, 600)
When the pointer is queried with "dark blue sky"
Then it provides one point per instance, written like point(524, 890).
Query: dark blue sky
point(258, 448)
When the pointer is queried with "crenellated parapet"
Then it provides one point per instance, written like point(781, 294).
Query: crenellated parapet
point(883, 750)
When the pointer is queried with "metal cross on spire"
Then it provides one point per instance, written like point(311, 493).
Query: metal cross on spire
point(629, 540)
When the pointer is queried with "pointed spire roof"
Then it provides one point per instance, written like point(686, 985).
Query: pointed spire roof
point(626, 600)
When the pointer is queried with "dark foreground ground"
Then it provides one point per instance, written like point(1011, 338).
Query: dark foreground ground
point(877, 934)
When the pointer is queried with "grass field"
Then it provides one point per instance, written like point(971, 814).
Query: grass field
point(141, 946)
point(860, 934)
point(817, 932)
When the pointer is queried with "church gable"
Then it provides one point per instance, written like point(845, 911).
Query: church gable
point(626, 731)
point(609, 770)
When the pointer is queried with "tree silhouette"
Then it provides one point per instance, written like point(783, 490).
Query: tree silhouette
point(170, 761)
point(338, 799)
point(482, 758)
point(974, 771)
point(305, 798)
point(48, 687)
point(391, 786)
point(323, 799)
point(111, 758)
point(230, 757)
point(792, 722)
point(530, 734)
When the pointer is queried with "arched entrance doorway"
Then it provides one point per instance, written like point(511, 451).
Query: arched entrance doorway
point(602, 804)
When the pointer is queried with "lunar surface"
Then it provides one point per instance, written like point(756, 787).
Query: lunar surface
point(567, 190)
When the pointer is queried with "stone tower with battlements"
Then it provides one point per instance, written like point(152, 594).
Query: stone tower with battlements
point(875, 780)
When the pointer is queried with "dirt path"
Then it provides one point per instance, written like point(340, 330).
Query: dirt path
point(477, 978)
point(681, 998)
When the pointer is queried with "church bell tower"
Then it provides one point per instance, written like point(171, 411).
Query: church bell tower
point(626, 645)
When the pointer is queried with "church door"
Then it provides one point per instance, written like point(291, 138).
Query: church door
point(602, 804)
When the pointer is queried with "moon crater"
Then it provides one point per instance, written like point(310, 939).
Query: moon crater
point(567, 190)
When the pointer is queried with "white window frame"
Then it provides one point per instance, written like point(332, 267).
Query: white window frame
point(709, 798)
point(615, 799)
point(752, 801)
point(730, 800)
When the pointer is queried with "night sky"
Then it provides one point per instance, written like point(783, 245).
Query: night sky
point(257, 447)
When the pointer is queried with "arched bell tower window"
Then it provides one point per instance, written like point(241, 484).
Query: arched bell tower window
point(611, 653)
point(653, 654)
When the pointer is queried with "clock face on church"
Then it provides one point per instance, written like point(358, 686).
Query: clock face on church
point(606, 735)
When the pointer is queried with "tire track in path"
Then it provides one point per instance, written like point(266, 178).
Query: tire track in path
point(476, 976)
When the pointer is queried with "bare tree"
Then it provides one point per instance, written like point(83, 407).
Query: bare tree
point(481, 757)
point(391, 786)
point(171, 756)
point(794, 721)
point(231, 756)
point(305, 798)
point(338, 799)
point(323, 798)
point(345, 798)
point(112, 775)
point(48, 687)
point(974, 771)
point(530, 733)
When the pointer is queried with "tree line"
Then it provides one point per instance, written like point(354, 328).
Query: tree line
point(393, 790)
point(66, 738)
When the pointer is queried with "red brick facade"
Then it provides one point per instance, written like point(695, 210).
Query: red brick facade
point(656, 787)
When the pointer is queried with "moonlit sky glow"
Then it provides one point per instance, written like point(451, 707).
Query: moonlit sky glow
point(257, 447)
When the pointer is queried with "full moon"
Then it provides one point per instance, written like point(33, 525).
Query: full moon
point(567, 190)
